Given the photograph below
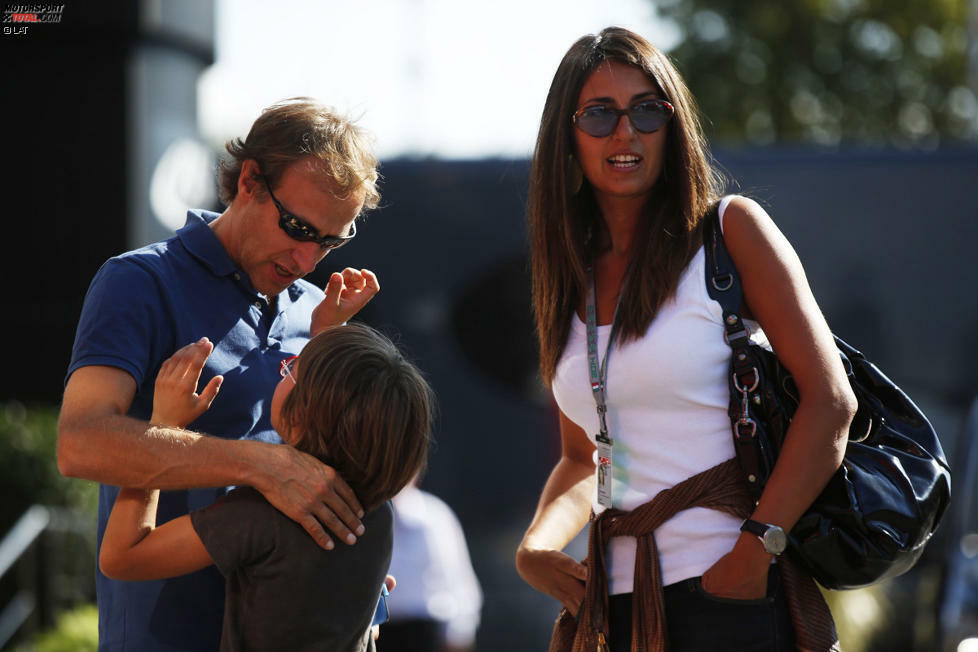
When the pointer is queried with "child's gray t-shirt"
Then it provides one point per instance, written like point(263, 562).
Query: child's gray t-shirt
point(285, 592)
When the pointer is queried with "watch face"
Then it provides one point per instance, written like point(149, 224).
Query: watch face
point(775, 540)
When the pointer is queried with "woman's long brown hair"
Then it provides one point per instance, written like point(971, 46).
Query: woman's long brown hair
point(564, 222)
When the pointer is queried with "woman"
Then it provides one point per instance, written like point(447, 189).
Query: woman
point(620, 186)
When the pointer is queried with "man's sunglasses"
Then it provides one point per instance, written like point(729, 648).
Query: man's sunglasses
point(298, 229)
point(600, 120)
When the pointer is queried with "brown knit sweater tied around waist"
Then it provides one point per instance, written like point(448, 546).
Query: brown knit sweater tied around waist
point(722, 488)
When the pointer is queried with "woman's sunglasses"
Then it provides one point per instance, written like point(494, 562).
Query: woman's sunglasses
point(600, 120)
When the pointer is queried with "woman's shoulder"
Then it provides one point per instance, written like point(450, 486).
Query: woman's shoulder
point(737, 211)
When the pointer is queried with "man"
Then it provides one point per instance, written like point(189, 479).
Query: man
point(293, 189)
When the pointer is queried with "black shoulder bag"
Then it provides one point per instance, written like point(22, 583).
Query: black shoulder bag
point(879, 509)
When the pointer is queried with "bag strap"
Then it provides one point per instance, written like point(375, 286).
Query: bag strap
point(722, 280)
point(724, 286)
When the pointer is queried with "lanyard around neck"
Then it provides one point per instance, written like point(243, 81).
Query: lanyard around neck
point(598, 371)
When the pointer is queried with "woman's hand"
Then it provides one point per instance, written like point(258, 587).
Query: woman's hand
point(741, 573)
point(563, 510)
point(176, 401)
point(554, 573)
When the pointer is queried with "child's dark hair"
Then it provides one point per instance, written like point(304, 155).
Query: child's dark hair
point(361, 407)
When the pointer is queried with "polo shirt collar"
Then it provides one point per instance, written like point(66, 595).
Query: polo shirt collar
point(200, 241)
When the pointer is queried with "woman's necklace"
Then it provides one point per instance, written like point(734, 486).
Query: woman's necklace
point(598, 372)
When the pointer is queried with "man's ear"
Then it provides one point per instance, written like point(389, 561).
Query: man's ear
point(249, 178)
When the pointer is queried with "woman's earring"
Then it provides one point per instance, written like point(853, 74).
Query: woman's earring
point(575, 176)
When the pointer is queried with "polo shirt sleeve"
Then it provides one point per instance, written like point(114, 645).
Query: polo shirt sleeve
point(124, 321)
point(234, 530)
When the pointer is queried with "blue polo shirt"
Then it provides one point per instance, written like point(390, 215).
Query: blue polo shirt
point(140, 308)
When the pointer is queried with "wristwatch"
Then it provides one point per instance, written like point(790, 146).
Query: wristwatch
point(771, 536)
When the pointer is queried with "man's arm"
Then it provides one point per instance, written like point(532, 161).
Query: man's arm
point(97, 441)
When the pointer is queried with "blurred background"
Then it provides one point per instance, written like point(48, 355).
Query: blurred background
point(855, 122)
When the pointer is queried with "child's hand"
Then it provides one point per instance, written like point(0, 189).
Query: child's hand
point(176, 402)
point(346, 294)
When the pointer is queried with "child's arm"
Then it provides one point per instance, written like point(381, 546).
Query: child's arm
point(346, 294)
point(133, 548)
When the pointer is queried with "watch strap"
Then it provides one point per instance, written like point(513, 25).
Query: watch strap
point(754, 527)
point(772, 536)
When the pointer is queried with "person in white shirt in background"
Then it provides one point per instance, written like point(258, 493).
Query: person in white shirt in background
point(438, 601)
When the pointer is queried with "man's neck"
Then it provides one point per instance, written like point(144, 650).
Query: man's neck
point(223, 228)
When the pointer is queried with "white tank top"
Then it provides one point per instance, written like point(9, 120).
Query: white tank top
point(667, 400)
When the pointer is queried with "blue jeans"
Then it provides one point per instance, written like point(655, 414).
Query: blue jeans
point(700, 622)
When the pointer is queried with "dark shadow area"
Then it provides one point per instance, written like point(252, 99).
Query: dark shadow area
point(493, 323)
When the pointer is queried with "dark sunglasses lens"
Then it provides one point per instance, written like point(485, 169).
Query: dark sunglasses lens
point(651, 116)
point(597, 122)
point(299, 231)
point(335, 242)
point(295, 230)
point(332, 242)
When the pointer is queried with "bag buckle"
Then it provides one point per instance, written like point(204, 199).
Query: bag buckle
point(736, 335)
point(723, 282)
point(753, 384)
point(746, 428)
point(741, 428)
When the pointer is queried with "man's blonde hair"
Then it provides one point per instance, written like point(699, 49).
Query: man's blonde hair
point(302, 128)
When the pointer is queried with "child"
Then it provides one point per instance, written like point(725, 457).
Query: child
point(349, 399)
